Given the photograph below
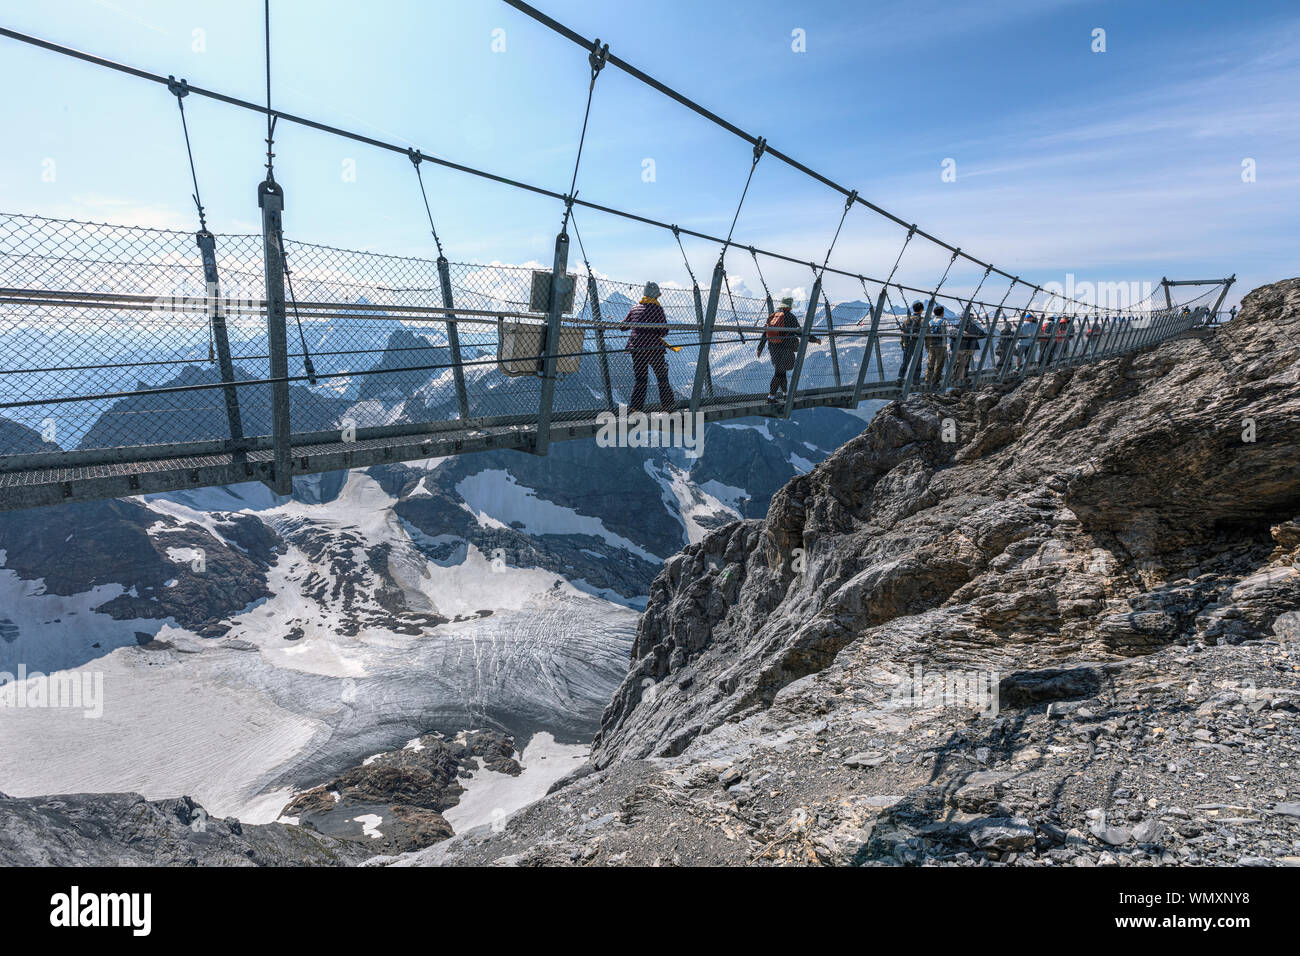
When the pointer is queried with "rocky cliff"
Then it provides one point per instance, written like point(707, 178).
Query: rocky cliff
point(1054, 622)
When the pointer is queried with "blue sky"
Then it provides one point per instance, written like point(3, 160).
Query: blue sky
point(1119, 166)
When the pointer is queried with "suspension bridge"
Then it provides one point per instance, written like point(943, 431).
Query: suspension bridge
point(137, 361)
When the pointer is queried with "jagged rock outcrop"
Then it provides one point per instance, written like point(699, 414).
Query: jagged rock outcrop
point(125, 829)
point(392, 803)
point(163, 567)
point(1071, 636)
point(1106, 510)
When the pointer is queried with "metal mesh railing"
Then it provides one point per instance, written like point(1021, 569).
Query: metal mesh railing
point(108, 341)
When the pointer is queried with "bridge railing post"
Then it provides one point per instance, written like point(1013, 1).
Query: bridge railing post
point(220, 334)
point(951, 364)
point(1218, 303)
point(830, 340)
point(593, 296)
point(987, 344)
point(270, 197)
point(703, 374)
point(913, 364)
point(1009, 358)
point(551, 343)
point(872, 340)
point(453, 340)
point(1156, 332)
point(1096, 329)
point(803, 347)
point(699, 318)
point(1159, 326)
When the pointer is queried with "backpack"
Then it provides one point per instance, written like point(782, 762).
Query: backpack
point(777, 330)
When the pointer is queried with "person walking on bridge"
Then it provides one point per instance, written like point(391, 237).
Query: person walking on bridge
point(781, 339)
point(646, 344)
point(1061, 339)
point(966, 348)
point(911, 338)
point(1025, 340)
point(936, 347)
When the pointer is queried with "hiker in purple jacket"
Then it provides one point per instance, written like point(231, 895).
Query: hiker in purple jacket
point(646, 343)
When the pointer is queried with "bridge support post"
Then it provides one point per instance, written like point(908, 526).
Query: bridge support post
point(1218, 303)
point(992, 333)
point(703, 374)
point(830, 339)
point(866, 351)
point(699, 317)
point(913, 366)
point(551, 344)
point(453, 340)
point(1158, 329)
point(270, 197)
point(951, 364)
point(803, 348)
point(593, 296)
point(221, 338)
point(1153, 333)
point(989, 335)
point(1164, 284)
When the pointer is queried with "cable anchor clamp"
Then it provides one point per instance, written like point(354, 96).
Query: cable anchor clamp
point(414, 155)
point(848, 203)
point(179, 88)
point(598, 56)
point(759, 148)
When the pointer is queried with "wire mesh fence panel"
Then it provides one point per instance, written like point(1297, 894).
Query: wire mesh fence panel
point(737, 370)
point(90, 309)
point(111, 339)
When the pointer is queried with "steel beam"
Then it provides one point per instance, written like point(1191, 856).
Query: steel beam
point(866, 351)
point(702, 372)
point(207, 243)
point(830, 339)
point(453, 340)
point(551, 345)
point(270, 197)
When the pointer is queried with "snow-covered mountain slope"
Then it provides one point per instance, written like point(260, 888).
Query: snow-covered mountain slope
point(250, 647)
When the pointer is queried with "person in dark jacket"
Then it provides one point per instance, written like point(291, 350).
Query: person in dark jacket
point(646, 344)
point(781, 339)
point(911, 336)
point(936, 347)
point(966, 349)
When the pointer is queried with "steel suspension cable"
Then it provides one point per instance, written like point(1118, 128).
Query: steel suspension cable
point(848, 204)
point(180, 90)
point(275, 115)
point(677, 234)
point(270, 116)
point(759, 269)
point(307, 365)
point(597, 61)
point(577, 38)
point(758, 154)
point(416, 156)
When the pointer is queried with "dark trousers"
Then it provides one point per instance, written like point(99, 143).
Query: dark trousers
point(643, 360)
point(782, 363)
